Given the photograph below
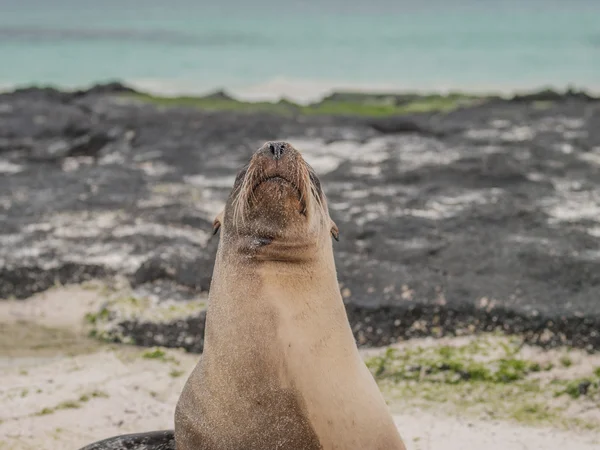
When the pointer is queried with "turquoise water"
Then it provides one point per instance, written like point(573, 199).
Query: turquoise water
point(187, 45)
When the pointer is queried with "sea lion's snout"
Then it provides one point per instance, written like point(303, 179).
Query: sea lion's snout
point(278, 151)
point(279, 162)
point(274, 186)
point(276, 195)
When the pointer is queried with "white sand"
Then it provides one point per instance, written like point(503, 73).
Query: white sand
point(428, 432)
point(60, 390)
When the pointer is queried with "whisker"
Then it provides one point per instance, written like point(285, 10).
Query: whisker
point(245, 193)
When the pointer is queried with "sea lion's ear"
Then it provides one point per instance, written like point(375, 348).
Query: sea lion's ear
point(335, 232)
point(217, 223)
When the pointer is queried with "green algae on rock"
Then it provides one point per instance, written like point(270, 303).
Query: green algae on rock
point(493, 376)
point(337, 104)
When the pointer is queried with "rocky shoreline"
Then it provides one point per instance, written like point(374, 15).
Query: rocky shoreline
point(480, 216)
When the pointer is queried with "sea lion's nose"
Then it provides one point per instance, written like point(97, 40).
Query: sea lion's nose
point(275, 150)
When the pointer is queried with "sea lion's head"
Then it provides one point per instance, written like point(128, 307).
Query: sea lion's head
point(276, 205)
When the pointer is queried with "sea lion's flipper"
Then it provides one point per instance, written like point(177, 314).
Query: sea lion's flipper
point(217, 222)
point(152, 440)
point(335, 231)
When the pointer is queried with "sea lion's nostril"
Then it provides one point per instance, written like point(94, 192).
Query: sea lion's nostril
point(277, 149)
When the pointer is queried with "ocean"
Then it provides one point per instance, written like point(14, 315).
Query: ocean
point(301, 49)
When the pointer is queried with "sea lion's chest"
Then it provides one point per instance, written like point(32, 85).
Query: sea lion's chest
point(239, 396)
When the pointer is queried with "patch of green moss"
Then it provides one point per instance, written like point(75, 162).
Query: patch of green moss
point(174, 311)
point(451, 365)
point(534, 413)
point(176, 373)
point(583, 387)
point(95, 394)
point(99, 394)
point(345, 104)
point(566, 361)
point(69, 405)
point(159, 354)
point(571, 389)
point(73, 404)
point(63, 405)
point(45, 412)
point(522, 401)
point(155, 353)
point(483, 377)
point(588, 387)
point(94, 318)
point(211, 103)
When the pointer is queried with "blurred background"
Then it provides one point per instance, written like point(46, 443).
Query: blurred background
point(458, 143)
point(301, 47)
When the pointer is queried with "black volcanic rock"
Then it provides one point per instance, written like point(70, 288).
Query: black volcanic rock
point(398, 124)
point(107, 88)
point(483, 218)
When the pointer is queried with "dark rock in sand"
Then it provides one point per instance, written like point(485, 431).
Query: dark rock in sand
point(186, 333)
point(483, 218)
point(23, 280)
point(166, 263)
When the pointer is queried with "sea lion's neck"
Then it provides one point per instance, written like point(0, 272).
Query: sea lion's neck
point(276, 295)
point(280, 266)
point(258, 251)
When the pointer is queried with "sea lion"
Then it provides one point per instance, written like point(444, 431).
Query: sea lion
point(280, 367)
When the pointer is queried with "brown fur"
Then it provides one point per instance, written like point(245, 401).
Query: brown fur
point(280, 368)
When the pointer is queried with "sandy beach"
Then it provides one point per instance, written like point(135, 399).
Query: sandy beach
point(62, 390)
